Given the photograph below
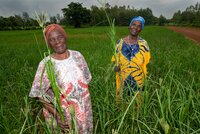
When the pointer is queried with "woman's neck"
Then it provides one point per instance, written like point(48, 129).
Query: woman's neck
point(62, 56)
point(132, 39)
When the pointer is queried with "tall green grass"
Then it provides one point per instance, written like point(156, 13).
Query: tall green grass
point(171, 99)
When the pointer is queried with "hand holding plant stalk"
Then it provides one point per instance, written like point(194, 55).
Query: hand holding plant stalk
point(41, 19)
point(112, 33)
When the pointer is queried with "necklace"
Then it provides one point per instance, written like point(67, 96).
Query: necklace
point(133, 42)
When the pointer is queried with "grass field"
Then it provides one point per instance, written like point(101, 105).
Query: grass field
point(171, 100)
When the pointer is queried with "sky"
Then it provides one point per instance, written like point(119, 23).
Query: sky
point(52, 7)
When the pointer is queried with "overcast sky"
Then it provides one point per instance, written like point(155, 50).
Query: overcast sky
point(165, 7)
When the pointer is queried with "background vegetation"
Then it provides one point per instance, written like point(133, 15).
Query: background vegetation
point(76, 15)
point(171, 100)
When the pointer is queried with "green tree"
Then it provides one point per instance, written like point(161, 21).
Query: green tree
point(58, 17)
point(53, 19)
point(15, 21)
point(177, 17)
point(191, 16)
point(97, 16)
point(187, 17)
point(76, 14)
point(26, 19)
point(25, 16)
point(161, 20)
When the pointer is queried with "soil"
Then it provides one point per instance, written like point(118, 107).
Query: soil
point(191, 33)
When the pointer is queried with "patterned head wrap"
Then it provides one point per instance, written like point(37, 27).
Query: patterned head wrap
point(138, 18)
point(53, 27)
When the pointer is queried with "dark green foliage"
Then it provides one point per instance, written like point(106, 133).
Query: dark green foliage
point(161, 20)
point(189, 17)
point(18, 22)
point(76, 15)
point(121, 14)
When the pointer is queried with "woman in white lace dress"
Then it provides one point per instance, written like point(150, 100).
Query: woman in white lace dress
point(72, 77)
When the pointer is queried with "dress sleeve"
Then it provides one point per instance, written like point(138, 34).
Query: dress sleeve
point(84, 67)
point(40, 83)
point(147, 58)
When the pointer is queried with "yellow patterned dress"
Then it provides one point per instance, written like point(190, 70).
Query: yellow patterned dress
point(132, 60)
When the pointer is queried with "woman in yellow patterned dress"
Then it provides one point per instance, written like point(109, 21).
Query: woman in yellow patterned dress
point(131, 59)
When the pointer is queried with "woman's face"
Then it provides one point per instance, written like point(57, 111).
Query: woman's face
point(135, 28)
point(57, 42)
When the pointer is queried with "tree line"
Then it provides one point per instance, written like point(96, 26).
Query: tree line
point(76, 15)
point(17, 22)
point(189, 17)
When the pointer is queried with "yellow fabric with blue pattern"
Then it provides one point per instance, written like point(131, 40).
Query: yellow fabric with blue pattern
point(132, 60)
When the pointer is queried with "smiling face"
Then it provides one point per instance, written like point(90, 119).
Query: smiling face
point(135, 28)
point(57, 41)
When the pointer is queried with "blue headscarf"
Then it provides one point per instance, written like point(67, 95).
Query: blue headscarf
point(138, 18)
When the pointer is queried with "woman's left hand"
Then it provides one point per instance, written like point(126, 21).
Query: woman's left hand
point(117, 68)
point(63, 124)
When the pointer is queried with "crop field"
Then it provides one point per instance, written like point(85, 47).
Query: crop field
point(171, 98)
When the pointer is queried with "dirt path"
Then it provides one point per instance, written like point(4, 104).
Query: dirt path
point(191, 33)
